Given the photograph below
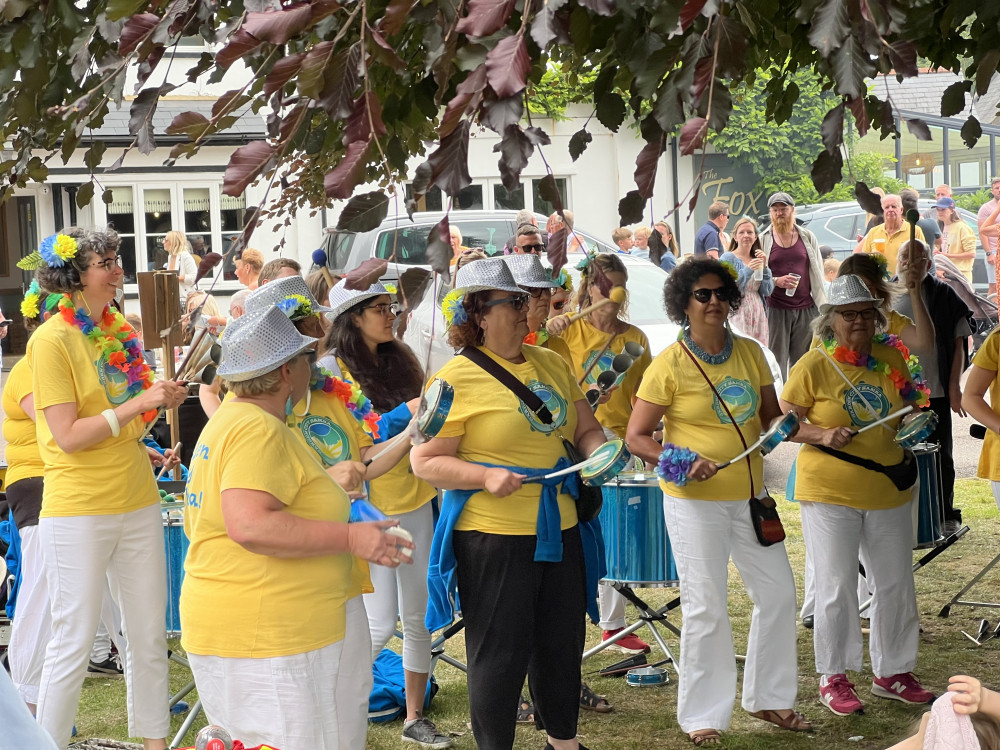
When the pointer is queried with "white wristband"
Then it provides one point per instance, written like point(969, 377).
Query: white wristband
point(109, 414)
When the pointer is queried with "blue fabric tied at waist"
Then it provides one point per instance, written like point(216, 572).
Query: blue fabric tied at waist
point(442, 582)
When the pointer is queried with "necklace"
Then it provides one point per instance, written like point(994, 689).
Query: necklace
point(356, 402)
point(915, 391)
point(710, 359)
point(117, 342)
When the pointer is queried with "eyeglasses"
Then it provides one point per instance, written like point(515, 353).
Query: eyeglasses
point(850, 316)
point(516, 301)
point(535, 292)
point(109, 264)
point(384, 308)
point(533, 248)
point(704, 295)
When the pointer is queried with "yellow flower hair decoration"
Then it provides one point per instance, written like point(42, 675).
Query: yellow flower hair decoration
point(731, 269)
point(31, 304)
point(56, 249)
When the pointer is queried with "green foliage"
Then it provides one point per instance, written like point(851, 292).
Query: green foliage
point(867, 168)
point(557, 89)
point(973, 201)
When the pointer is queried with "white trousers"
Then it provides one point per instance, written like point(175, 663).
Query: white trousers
point(288, 702)
point(81, 555)
point(835, 535)
point(610, 602)
point(704, 535)
point(355, 680)
point(401, 594)
point(996, 492)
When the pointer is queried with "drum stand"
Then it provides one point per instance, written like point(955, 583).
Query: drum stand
point(958, 597)
point(437, 646)
point(648, 616)
point(189, 720)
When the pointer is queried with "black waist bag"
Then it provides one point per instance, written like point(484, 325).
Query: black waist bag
point(903, 474)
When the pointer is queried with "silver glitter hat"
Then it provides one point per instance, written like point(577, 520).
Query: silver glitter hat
point(281, 293)
point(484, 275)
point(528, 270)
point(846, 290)
point(342, 298)
point(255, 344)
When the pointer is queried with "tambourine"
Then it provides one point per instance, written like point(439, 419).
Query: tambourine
point(605, 463)
point(435, 407)
point(917, 430)
point(784, 429)
point(647, 677)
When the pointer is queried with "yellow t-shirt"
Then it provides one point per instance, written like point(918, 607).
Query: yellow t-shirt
point(961, 239)
point(496, 427)
point(237, 603)
point(113, 476)
point(897, 322)
point(988, 358)
point(558, 345)
point(892, 242)
point(23, 459)
point(694, 419)
point(399, 490)
point(814, 384)
point(584, 342)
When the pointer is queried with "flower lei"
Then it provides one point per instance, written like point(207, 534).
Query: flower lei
point(116, 340)
point(31, 304)
point(675, 463)
point(537, 338)
point(356, 402)
point(453, 309)
point(914, 391)
point(56, 249)
point(296, 307)
point(730, 269)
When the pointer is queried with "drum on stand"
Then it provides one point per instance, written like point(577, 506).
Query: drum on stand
point(928, 510)
point(637, 547)
point(175, 544)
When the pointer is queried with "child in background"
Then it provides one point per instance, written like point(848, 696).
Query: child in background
point(147, 354)
point(967, 717)
point(830, 268)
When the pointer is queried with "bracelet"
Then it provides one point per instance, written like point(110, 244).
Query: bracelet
point(112, 418)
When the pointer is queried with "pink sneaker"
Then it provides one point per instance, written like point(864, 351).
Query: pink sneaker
point(836, 692)
point(630, 644)
point(902, 687)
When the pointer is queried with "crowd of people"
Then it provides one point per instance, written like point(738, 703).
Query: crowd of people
point(322, 514)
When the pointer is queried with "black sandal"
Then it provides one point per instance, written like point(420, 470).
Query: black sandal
point(525, 711)
point(591, 701)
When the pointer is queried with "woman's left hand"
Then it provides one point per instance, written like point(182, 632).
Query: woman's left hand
point(168, 458)
point(703, 469)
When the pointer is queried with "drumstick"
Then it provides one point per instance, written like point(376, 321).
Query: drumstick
point(597, 359)
point(617, 295)
point(163, 469)
point(389, 445)
point(901, 412)
point(568, 470)
point(744, 454)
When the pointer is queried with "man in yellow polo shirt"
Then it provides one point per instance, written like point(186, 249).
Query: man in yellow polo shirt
point(886, 238)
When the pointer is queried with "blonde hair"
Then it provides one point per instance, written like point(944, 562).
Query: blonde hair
point(621, 233)
point(177, 242)
point(606, 262)
point(194, 299)
point(253, 258)
point(642, 231)
point(135, 321)
point(258, 386)
point(831, 265)
point(756, 230)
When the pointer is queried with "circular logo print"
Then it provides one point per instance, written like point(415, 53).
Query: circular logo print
point(325, 437)
point(877, 404)
point(555, 403)
point(740, 398)
point(114, 381)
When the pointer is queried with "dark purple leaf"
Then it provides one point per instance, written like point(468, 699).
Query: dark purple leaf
point(468, 95)
point(852, 66)
point(340, 182)
point(703, 75)
point(548, 190)
point(342, 79)
point(971, 132)
point(830, 26)
point(450, 161)
point(832, 128)
point(630, 208)
point(869, 201)
point(385, 52)
point(692, 136)
point(439, 252)
point(485, 17)
point(367, 111)
point(411, 207)
point(860, 112)
point(578, 143)
point(364, 212)
point(953, 98)
point(423, 176)
point(547, 26)
point(611, 111)
point(732, 38)
point(827, 171)
point(191, 124)
point(228, 102)
point(396, 13)
point(537, 136)
point(986, 70)
point(499, 113)
point(515, 150)
point(240, 44)
point(645, 167)
point(904, 58)
point(919, 129)
point(689, 12)
point(600, 7)
point(210, 261)
point(140, 123)
point(245, 165)
point(507, 66)
point(361, 278)
point(148, 64)
point(136, 30)
point(84, 194)
point(310, 79)
point(277, 27)
point(282, 72)
point(555, 249)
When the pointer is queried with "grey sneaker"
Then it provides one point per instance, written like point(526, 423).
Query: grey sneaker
point(110, 667)
point(423, 732)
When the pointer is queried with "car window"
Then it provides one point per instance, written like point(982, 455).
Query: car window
point(490, 235)
point(645, 290)
point(338, 247)
point(842, 226)
point(410, 242)
point(594, 245)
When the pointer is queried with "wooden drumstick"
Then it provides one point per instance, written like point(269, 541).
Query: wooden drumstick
point(163, 469)
point(617, 296)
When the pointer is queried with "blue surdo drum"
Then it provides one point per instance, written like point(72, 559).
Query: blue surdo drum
point(637, 548)
point(928, 510)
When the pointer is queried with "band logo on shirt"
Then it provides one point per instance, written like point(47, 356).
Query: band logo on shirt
point(877, 404)
point(740, 398)
point(555, 403)
point(113, 380)
point(325, 437)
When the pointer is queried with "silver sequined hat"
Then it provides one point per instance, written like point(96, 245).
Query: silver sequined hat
point(342, 298)
point(255, 344)
point(484, 275)
point(528, 270)
point(281, 293)
point(847, 290)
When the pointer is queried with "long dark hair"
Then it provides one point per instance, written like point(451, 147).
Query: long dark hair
point(657, 247)
point(389, 378)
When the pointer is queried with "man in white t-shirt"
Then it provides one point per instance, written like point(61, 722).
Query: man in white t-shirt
point(989, 230)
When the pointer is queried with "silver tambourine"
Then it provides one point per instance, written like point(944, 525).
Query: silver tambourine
point(434, 408)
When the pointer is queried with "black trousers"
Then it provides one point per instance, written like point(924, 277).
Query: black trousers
point(521, 618)
point(943, 437)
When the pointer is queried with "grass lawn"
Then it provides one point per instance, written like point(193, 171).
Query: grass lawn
point(646, 718)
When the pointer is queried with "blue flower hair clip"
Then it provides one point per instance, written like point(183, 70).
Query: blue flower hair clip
point(453, 308)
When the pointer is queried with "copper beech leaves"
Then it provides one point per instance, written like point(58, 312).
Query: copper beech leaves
point(555, 249)
point(485, 17)
point(246, 165)
point(346, 176)
point(693, 135)
point(468, 96)
point(369, 272)
point(645, 167)
point(507, 66)
point(364, 212)
point(277, 27)
point(439, 252)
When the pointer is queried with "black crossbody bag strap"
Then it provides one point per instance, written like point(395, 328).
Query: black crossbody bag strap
point(530, 399)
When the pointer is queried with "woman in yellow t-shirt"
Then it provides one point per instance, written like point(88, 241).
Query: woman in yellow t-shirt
point(362, 347)
point(514, 549)
point(100, 516)
point(850, 506)
point(958, 241)
point(983, 378)
point(709, 520)
point(267, 573)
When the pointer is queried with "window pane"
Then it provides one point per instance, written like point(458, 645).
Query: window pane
point(541, 206)
point(231, 211)
point(489, 235)
point(127, 250)
point(920, 158)
point(121, 218)
point(842, 226)
point(469, 199)
point(969, 166)
point(432, 201)
point(510, 201)
point(198, 220)
point(157, 212)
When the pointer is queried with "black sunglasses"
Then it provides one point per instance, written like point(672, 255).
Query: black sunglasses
point(517, 302)
point(559, 305)
point(536, 248)
point(704, 295)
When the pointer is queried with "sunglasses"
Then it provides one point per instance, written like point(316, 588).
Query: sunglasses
point(537, 248)
point(559, 305)
point(517, 301)
point(705, 295)
point(850, 316)
point(535, 292)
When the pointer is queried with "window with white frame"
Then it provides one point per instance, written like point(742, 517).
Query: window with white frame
point(526, 195)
